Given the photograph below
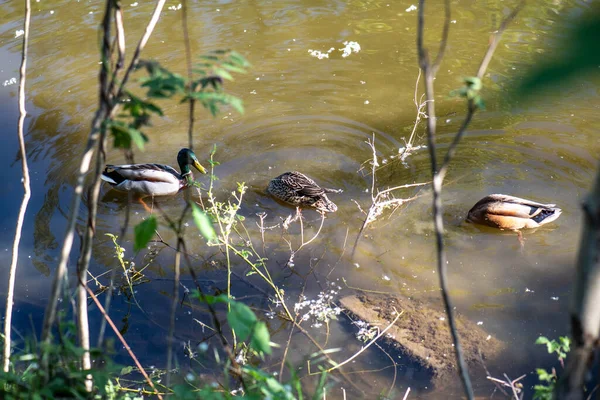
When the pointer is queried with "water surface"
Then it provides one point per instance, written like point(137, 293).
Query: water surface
point(315, 115)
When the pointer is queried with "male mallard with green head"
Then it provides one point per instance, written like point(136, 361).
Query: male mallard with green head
point(299, 190)
point(153, 179)
point(514, 213)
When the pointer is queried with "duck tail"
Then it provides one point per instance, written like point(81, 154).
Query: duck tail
point(110, 175)
point(547, 215)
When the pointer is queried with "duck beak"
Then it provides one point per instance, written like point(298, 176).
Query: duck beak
point(199, 167)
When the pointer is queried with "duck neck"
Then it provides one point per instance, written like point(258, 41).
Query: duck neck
point(186, 173)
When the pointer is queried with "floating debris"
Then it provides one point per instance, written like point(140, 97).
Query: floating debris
point(350, 47)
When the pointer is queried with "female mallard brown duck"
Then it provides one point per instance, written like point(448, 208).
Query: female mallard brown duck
point(299, 190)
point(509, 212)
point(153, 179)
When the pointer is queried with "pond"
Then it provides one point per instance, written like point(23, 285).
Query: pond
point(315, 115)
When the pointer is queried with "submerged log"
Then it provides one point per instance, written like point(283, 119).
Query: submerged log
point(422, 335)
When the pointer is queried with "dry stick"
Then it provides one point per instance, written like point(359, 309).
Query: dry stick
point(472, 108)
point(430, 71)
point(84, 259)
point(145, 37)
point(121, 338)
point(438, 175)
point(177, 277)
point(82, 268)
point(26, 194)
point(94, 137)
point(174, 303)
point(377, 204)
point(188, 59)
point(585, 312)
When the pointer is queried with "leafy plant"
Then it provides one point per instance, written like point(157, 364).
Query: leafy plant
point(63, 377)
point(207, 88)
point(561, 347)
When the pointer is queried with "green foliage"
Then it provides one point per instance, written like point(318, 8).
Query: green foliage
point(161, 83)
point(144, 231)
point(243, 322)
point(561, 347)
point(58, 375)
point(206, 88)
point(203, 223)
point(582, 55)
point(471, 91)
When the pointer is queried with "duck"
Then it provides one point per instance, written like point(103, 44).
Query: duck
point(146, 180)
point(513, 213)
point(299, 190)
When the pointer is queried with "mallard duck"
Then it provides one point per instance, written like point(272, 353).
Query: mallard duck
point(153, 179)
point(509, 212)
point(299, 190)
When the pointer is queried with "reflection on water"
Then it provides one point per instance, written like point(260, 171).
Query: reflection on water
point(315, 116)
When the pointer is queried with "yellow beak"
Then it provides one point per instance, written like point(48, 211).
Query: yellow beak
point(199, 167)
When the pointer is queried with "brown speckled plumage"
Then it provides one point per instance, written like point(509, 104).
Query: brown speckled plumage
point(299, 190)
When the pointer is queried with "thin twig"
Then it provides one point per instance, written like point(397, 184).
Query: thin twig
point(122, 339)
point(188, 60)
point(174, 303)
point(471, 107)
point(439, 174)
point(496, 39)
point(26, 193)
point(430, 71)
point(368, 344)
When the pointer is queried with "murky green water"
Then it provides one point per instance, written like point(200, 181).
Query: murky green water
point(313, 115)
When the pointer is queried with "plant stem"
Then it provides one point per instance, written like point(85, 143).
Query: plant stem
point(26, 194)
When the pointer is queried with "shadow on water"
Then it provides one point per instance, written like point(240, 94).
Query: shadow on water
point(315, 116)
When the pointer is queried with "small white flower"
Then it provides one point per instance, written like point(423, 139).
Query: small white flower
point(411, 8)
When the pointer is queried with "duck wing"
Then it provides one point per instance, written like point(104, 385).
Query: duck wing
point(302, 184)
point(141, 172)
point(500, 204)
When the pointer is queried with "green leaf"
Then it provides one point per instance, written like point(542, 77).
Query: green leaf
point(544, 375)
point(138, 137)
point(541, 340)
point(241, 319)
point(126, 370)
point(144, 231)
point(203, 223)
point(210, 299)
point(261, 339)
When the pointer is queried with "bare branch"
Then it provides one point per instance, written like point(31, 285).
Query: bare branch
point(438, 175)
point(188, 59)
point(472, 108)
point(97, 136)
point(26, 193)
point(496, 39)
point(444, 40)
point(585, 314)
